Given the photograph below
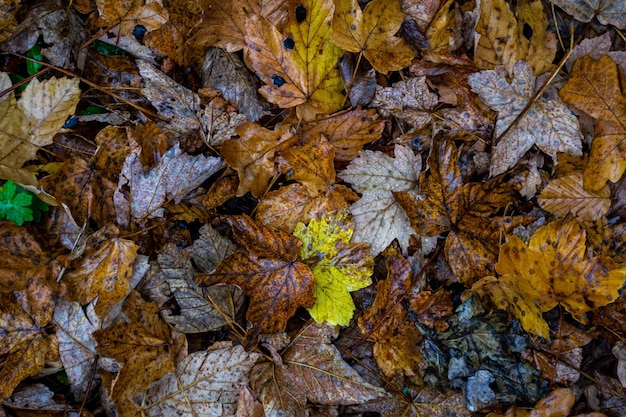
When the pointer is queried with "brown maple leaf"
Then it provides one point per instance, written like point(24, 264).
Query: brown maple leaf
point(465, 212)
point(268, 272)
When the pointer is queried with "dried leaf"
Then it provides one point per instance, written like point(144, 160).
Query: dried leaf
point(608, 12)
point(371, 32)
point(205, 383)
point(594, 88)
point(547, 124)
point(566, 195)
point(409, 100)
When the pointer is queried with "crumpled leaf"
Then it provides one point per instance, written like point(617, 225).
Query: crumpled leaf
point(253, 155)
point(339, 267)
point(312, 369)
point(566, 195)
point(548, 123)
point(128, 14)
point(209, 249)
point(268, 272)
point(103, 271)
point(31, 122)
point(464, 211)
point(205, 383)
point(594, 87)
point(170, 180)
point(371, 32)
point(608, 12)
point(77, 346)
point(553, 270)
point(24, 341)
point(298, 64)
point(379, 218)
point(409, 100)
point(501, 39)
point(313, 195)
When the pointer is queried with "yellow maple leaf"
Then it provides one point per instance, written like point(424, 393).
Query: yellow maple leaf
point(552, 270)
point(371, 31)
point(298, 63)
point(339, 267)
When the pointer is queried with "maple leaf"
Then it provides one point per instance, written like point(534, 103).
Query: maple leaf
point(253, 154)
point(130, 13)
point(298, 66)
point(379, 218)
point(502, 40)
point(202, 383)
point(566, 195)
point(312, 369)
point(371, 31)
point(339, 267)
point(548, 123)
point(143, 343)
point(608, 12)
point(24, 341)
point(104, 270)
point(552, 270)
point(387, 323)
point(315, 192)
point(464, 211)
point(594, 87)
point(30, 123)
point(268, 272)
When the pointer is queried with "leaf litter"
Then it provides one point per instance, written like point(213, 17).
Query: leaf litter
point(320, 207)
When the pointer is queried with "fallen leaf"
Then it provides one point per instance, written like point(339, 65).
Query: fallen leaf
point(379, 218)
point(339, 267)
point(594, 88)
point(299, 64)
point(209, 249)
point(268, 272)
point(566, 195)
point(409, 100)
point(253, 155)
point(608, 12)
point(130, 13)
point(371, 32)
point(313, 195)
point(314, 372)
point(202, 384)
point(547, 124)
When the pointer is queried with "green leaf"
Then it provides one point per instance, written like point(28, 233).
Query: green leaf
point(338, 266)
point(18, 205)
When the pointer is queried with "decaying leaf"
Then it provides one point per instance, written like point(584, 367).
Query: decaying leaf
point(205, 383)
point(371, 32)
point(566, 195)
point(339, 267)
point(409, 100)
point(553, 270)
point(547, 124)
point(268, 272)
point(608, 12)
point(312, 370)
point(378, 218)
point(594, 88)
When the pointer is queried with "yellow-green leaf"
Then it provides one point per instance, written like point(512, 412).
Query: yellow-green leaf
point(339, 267)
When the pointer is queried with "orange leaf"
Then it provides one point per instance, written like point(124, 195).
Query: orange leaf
point(268, 272)
point(371, 32)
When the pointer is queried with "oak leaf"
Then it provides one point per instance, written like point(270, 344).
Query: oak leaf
point(503, 40)
point(553, 270)
point(204, 383)
point(464, 211)
point(103, 271)
point(298, 64)
point(371, 32)
point(268, 271)
point(378, 218)
point(608, 12)
point(567, 195)
point(253, 155)
point(548, 123)
point(313, 195)
point(339, 267)
point(594, 87)
point(312, 371)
